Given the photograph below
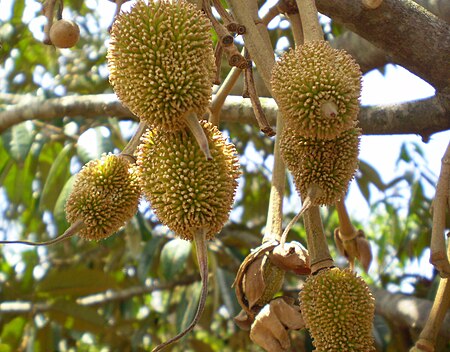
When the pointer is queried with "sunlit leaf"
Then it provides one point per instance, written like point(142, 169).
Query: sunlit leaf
point(57, 176)
point(188, 305)
point(174, 256)
point(18, 139)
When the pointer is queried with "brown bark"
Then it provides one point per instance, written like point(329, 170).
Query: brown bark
point(413, 37)
point(423, 117)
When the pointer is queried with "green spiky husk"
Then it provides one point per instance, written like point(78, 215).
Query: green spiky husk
point(338, 309)
point(327, 164)
point(311, 75)
point(186, 191)
point(104, 196)
point(161, 62)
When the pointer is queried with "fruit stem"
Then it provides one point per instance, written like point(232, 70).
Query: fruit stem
point(198, 132)
point(72, 230)
point(134, 141)
point(310, 22)
point(222, 93)
point(317, 243)
point(202, 258)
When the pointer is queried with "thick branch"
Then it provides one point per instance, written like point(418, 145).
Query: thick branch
point(423, 117)
point(407, 311)
point(409, 34)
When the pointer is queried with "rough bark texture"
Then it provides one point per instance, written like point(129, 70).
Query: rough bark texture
point(413, 37)
point(423, 117)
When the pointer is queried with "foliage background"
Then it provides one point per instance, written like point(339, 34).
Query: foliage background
point(136, 288)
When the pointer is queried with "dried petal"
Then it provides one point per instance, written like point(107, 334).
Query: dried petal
point(291, 257)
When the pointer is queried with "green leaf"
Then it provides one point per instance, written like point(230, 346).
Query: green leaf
point(57, 177)
point(75, 282)
point(59, 212)
point(372, 175)
point(12, 333)
point(149, 257)
point(76, 317)
point(18, 139)
point(174, 256)
point(363, 185)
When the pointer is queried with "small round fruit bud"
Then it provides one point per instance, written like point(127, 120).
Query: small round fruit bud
point(64, 34)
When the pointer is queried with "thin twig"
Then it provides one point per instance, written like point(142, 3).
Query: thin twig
point(218, 51)
point(428, 336)
point(263, 124)
point(134, 141)
point(226, 17)
point(48, 9)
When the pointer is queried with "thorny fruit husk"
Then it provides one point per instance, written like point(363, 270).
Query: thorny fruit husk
point(161, 62)
point(104, 196)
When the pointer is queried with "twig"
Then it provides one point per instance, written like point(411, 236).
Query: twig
point(441, 304)
point(48, 10)
point(226, 17)
point(71, 231)
point(439, 258)
point(263, 124)
point(218, 51)
point(119, 4)
point(134, 141)
point(226, 40)
point(222, 93)
point(273, 12)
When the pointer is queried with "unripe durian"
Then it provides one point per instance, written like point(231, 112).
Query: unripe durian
point(161, 62)
point(105, 195)
point(64, 34)
point(317, 89)
point(338, 309)
point(322, 169)
point(186, 191)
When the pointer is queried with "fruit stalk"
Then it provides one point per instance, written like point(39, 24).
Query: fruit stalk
point(310, 22)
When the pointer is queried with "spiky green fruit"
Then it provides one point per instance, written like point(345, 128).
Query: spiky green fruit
point(317, 89)
point(186, 191)
point(104, 196)
point(324, 167)
point(161, 61)
point(338, 309)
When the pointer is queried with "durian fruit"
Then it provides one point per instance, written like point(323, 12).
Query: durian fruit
point(64, 34)
point(189, 194)
point(161, 62)
point(186, 191)
point(317, 89)
point(104, 196)
point(338, 309)
point(322, 169)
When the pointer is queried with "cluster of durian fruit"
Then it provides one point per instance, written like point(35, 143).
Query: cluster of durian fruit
point(161, 64)
point(317, 89)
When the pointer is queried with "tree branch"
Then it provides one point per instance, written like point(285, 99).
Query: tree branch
point(422, 117)
point(413, 37)
point(407, 311)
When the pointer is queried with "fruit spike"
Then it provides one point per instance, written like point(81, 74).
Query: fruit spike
point(161, 62)
point(186, 191)
point(104, 196)
point(322, 169)
point(317, 89)
point(338, 310)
